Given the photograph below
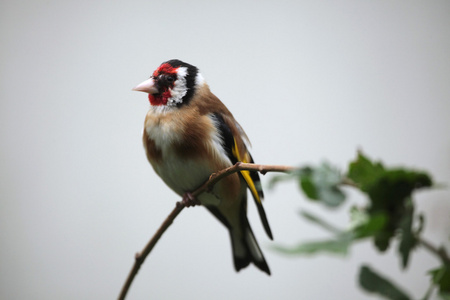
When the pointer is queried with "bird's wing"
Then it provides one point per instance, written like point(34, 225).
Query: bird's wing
point(233, 138)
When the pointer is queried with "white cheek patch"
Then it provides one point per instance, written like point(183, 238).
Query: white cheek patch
point(179, 89)
point(199, 80)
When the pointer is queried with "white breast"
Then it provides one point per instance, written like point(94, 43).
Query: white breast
point(185, 174)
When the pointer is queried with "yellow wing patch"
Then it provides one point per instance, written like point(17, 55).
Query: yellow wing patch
point(246, 174)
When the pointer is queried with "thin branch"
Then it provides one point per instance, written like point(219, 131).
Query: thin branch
point(140, 257)
point(439, 252)
point(349, 182)
point(207, 186)
point(239, 166)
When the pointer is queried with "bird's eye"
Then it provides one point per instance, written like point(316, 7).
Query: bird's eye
point(170, 79)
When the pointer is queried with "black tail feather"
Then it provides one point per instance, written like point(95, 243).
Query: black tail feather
point(253, 252)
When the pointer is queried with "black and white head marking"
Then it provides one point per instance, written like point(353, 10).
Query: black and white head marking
point(188, 78)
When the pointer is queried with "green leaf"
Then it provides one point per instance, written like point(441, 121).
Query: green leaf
point(374, 283)
point(444, 295)
point(373, 225)
point(322, 183)
point(307, 184)
point(388, 191)
point(408, 240)
point(322, 223)
point(441, 277)
point(385, 184)
point(363, 172)
point(338, 246)
point(358, 216)
point(366, 225)
point(327, 180)
point(395, 185)
point(383, 238)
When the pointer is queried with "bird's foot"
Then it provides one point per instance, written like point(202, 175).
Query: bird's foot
point(189, 200)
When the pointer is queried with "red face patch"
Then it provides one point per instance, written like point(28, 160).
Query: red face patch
point(163, 97)
point(159, 99)
point(165, 69)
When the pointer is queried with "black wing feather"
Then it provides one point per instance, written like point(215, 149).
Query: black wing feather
point(228, 144)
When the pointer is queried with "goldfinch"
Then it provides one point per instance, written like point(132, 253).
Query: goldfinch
point(190, 134)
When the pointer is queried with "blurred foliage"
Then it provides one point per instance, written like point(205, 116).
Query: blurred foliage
point(388, 215)
point(373, 282)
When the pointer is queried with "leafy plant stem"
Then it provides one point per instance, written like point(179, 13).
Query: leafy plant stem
point(439, 252)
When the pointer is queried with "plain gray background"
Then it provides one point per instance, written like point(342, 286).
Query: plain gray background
point(308, 81)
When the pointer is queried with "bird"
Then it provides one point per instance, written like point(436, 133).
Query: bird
point(188, 135)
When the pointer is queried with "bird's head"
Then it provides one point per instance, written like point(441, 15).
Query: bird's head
point(173, 83)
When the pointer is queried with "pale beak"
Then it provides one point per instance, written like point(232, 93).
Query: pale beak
point(147, 86)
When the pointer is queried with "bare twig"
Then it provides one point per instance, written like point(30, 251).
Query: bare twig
point(207, 186)
point(347, 181)
point(239, 166)
point(439, 252)
point(140, 257)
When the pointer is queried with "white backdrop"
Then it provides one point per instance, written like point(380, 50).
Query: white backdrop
point(308, 80)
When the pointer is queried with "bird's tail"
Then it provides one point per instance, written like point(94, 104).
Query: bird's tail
point(246, 249)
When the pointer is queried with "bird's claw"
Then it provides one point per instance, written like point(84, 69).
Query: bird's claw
point(189, 200)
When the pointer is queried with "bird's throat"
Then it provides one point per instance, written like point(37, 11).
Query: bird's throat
point(159, 99)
